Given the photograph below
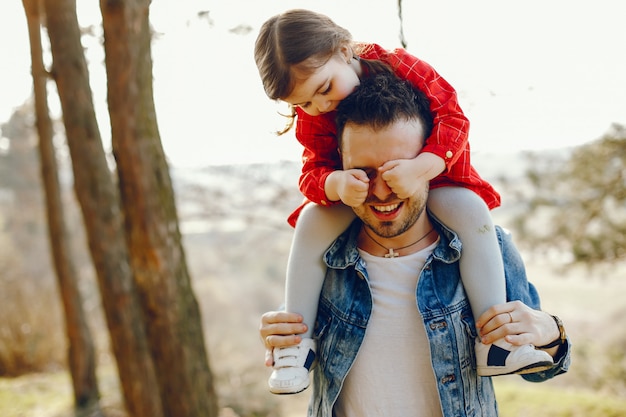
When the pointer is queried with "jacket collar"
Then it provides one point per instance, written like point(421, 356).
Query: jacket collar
point(343, 253)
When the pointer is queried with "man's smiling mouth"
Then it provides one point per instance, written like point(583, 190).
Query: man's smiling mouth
point(386, 209)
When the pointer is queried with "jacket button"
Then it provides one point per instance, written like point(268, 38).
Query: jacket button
point(438, 325)
point(448, 378)
point(449, 154)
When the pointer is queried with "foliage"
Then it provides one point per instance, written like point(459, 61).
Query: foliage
point(577, 205)
point(606, 352)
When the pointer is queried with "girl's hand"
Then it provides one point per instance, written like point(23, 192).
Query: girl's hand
point(406, 176)
point(353, 187)
point(403, 176)
point(280, 329)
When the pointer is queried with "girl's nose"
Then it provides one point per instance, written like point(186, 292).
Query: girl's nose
point(323, 105)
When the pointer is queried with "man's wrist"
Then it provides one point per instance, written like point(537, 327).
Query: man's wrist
point(561, 339)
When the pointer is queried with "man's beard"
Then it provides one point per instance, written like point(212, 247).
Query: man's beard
point(390, 229)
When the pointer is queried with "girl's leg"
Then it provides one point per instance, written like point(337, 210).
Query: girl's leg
point(482, 270)
point(482, 274)
point(316, 229)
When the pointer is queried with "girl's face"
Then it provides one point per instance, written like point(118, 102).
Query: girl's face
point(321, 91)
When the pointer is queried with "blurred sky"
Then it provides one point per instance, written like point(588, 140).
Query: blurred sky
point(530, 75)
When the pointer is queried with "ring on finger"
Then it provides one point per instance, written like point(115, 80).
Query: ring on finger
point(510, 316)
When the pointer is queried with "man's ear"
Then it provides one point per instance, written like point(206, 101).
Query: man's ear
point(347, 53)
point(340, 157)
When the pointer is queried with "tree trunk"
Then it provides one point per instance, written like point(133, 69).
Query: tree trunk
point(99, 201)
point(81, 353)
point(173, 320)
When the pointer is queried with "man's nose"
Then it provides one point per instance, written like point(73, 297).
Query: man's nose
point(379, 188)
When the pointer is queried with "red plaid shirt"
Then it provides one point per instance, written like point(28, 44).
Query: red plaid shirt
point(449, 138)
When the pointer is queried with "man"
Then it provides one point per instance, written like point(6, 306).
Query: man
point(392, 343)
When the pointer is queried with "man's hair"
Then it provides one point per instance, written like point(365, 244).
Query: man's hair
point(381, 100)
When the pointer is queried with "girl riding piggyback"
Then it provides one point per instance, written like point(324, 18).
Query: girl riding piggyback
point(311, 63)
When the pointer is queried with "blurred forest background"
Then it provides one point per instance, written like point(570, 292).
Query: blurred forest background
point(567, 210)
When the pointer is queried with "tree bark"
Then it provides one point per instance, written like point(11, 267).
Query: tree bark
point(172, 315)
point(81, 353)
point(99, 200)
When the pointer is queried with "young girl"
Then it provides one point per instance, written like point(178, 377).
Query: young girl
point(308, 61)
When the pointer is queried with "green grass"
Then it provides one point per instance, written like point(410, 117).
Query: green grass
point(525, 399)
point(49, 395)
point(41, 395)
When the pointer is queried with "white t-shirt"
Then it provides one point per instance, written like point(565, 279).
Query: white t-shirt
point(392, 375)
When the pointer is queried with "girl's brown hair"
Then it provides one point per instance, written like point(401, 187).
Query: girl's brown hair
point(290, 38)
point(294, 44)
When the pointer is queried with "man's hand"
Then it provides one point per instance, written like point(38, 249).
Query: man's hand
point(280, 329)
point(518, 324)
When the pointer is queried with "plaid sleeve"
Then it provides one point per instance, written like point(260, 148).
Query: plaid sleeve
point(449, 137)
point(320, 156)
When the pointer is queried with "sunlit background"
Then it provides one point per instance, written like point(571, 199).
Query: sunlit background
point(530, 75)
point(534, 75)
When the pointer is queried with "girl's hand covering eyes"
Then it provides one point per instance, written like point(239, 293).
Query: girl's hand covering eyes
point(353, 187)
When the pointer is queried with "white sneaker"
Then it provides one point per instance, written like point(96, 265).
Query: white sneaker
point(502, 358)
point(291, 368)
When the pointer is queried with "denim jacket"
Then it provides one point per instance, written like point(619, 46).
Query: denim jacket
point(346, 304)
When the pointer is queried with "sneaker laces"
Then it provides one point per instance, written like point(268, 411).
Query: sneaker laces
point(285, 357)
